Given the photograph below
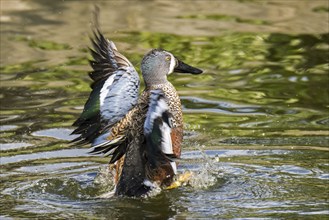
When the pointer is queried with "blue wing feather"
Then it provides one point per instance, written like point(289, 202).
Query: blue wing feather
point(121, 96)
point(114, 92)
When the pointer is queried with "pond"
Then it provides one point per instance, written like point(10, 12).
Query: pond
point(256, 121)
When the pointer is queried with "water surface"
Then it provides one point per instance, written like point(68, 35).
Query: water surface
point(256, 121)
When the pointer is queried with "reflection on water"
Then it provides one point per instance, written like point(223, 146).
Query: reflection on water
point(259, 112)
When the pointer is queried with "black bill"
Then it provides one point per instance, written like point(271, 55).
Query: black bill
point(182, 67)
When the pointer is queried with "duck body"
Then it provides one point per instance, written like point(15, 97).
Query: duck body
point(141, 166)
point(142, 134)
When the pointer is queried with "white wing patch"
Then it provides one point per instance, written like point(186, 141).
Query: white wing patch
point(158, 115)
point(174, 167)
point(105, 89)
point(166, 144)
point(159, 109)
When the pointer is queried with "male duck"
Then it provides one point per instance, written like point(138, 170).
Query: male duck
point(143, 134)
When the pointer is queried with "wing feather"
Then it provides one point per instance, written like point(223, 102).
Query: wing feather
point(114, 93)
point(157, 130)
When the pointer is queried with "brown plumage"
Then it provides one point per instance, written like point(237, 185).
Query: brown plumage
point(141, 134)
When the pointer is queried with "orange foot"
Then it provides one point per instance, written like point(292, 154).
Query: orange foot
point(181, 180)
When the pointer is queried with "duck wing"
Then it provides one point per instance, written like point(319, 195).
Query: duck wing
point(114, 92)
point(157, 131)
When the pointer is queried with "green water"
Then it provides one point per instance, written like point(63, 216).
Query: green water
point(256, 121)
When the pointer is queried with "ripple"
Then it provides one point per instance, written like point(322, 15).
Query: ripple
point(324, 212)
point(56, 167)
point(230, 153)
point(57, 133)
point(45, 155)
point(9, 117)
point(8, 127)
point(291, 169)
point(323, 121)
point(198, 105)
point(324, 176)
point(11, 146)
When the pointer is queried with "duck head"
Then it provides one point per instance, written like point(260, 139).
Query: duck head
point(158, 63)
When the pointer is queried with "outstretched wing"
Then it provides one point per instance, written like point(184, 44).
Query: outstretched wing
point(114, 92)
point(157, 129)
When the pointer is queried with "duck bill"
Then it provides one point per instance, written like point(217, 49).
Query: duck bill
point(182, 67)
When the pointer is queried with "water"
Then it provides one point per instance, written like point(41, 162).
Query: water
point(256, 121)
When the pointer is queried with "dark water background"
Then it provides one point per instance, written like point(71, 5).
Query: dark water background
point(257, 121)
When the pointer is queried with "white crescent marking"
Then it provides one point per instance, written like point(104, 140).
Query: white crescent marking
point(172, 64)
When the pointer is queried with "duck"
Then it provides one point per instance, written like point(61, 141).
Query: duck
point(141, 132)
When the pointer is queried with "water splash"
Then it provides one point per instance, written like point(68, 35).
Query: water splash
point(105, 181)
point(207, 174)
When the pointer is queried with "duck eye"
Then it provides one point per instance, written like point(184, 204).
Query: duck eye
point(168, 58)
